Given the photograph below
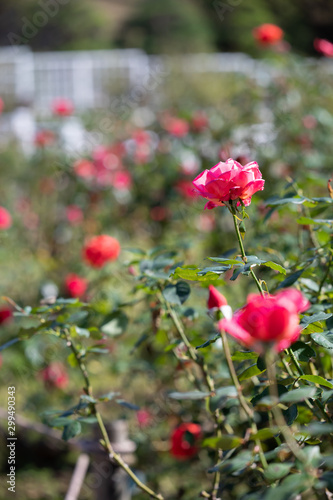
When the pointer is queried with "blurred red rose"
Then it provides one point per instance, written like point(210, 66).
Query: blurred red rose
point(44, 138)
point(184, 440)
point(6, 315)
point(85, 169)
point(199, 121)
point(62, 107)
point(76, 286)
point(55, 375)
point(176, 126)
point(74, 214)
point(2, 105)
point(5, 219)
point(101, 249)
point(324, 47)
point(268, 34)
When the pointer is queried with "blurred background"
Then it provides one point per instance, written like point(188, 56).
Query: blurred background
point(109, 109)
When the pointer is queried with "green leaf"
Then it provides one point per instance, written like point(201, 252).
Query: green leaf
point(307, 320)
point(297, 200)
point(88, 420)
point(277, 471)
point(324, 339)
point(71, 430)
point(9, 343)
point(194, 395)
point(241, 355)
point(316, 379)
point(307, 220)
point(190, 273)
point(264, 434)
point(290, 414)
point(302, 351)
point(291, 279)
point(82, 332)
point(126, 404)
point(252, 371)
point(177, 294)
point(275, 266)
point(298, 395)
point(225, 442)
point(116, 325)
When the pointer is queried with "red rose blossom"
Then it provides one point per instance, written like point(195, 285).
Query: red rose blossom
point(55, 375)
point(76, 285)
point(5, 315)
point(324, 47)
point(62, 107)
point(268, 34)
point(101, 249)
point(184, 440)
point(5, 219)
point(272, 319)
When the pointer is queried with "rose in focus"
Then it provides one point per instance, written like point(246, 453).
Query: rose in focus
point(228, 181)
point(101, 249)
point(184, 440)
point(269, 320)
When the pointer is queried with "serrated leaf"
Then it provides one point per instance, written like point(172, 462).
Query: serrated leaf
point(307, 320)
point(298, 395)
point(275, 266)
point(192, 274)
point(291, 279)
point(252, 371)
point(324, 339)
point(177, 294)
point(71, 430)
point(316, 379)
point(193, 395)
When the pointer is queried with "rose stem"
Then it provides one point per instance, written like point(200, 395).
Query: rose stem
point(113, 456)
point(241, 398)
point(241, 246)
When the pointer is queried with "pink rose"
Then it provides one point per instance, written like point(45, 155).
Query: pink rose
point(229, 181)
point(324, 47)
point(62, 107)
point(272, 319)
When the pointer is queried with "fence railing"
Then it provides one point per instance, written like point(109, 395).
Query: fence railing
point(89, 78)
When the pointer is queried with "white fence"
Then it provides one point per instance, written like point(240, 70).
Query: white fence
point(89, 78)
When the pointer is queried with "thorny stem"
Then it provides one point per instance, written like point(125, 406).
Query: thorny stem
point(278, 415)
point(218, 417)
point(242, 400)
point(113, 456)
point(241, 246)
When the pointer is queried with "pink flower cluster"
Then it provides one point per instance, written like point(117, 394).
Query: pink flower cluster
point(105, 168)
